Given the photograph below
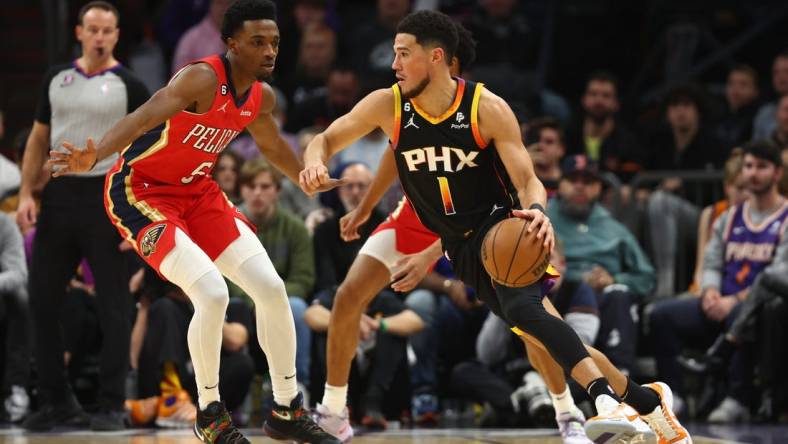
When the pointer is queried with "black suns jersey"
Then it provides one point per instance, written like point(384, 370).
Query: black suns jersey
point(453, 180)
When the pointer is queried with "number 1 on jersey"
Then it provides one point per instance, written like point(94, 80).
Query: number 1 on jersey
point(448, 203)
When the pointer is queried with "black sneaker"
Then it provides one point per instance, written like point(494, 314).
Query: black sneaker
point(108, 421)
point(296, 424)
point(48, 416)
point(371, 406)
point(214, 426)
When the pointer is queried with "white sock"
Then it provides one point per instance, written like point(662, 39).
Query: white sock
point(563, 402)
point(335, 398)
point(285, 388)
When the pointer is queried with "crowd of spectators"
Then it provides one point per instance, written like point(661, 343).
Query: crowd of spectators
point(654, 265)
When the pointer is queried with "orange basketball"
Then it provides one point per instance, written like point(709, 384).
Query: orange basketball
point(512, 256)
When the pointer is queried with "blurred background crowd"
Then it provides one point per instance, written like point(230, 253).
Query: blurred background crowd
point(639, 117)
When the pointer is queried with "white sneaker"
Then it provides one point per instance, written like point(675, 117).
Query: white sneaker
point(730, 411)
point(336, 425)
point(610, 424)
point(644, 433)
point(17, 404)
point(570, 425)
point(663, 421)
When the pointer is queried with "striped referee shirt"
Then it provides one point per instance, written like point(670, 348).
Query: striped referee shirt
point(76, 105)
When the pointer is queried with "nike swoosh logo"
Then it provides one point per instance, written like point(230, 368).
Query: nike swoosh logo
point(212, 387)
point(290, 377)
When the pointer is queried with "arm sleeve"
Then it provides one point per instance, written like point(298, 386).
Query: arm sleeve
point(713, 256)
point(13, 269)
point(638, 273)
point(44, 107)
point(301, 276)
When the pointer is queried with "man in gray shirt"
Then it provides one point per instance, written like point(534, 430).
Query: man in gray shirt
point(79, 100)
point(746, 241)
point(14, 319)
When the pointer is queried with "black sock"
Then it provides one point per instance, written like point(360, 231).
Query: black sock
point(642, 399)
point(599, 387)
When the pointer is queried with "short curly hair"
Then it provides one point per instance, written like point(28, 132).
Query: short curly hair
point(466, 47)
point(432, 28)
point(243, 10)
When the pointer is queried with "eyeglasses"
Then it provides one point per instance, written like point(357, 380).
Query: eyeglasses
point(351, 185)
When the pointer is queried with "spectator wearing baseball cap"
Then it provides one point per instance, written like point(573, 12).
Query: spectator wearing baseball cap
point(603, 253)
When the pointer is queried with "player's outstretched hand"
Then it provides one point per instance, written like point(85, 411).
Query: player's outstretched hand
point(315, 179)
point(75, 160)
point(349, 224)
point(411, 270)
point(538, 221)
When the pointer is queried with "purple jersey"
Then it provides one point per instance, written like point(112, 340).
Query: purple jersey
point(749, 248)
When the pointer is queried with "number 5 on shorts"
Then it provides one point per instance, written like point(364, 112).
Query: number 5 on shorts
point(197, 172)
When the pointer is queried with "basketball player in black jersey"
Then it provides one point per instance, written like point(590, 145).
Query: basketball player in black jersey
point(378, 263)
point(458, 152)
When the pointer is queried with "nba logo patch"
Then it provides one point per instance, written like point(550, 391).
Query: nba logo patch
point(148, 243)
point(67, 80)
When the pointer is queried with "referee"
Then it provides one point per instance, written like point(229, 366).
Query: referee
point(79, 100)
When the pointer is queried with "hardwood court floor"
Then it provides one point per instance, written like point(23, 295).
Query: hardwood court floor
point(436, 436)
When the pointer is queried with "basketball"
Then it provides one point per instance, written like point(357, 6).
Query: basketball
point(512, 256)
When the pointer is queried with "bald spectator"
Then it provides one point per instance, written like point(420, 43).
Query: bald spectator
point(333, 256)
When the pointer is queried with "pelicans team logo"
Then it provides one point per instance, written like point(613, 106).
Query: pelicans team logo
point(148, 243)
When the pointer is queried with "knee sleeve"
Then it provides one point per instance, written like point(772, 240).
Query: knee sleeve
point(186, 262)
point(234, 262)
point(523, 308)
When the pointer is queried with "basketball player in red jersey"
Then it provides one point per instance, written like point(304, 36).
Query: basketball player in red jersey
point(457, 176)
point(162, 199)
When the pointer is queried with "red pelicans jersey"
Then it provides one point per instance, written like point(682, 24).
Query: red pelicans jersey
point(184, 148)
point(164, 177)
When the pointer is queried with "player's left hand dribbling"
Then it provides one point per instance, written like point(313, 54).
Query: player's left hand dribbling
point(538, 221)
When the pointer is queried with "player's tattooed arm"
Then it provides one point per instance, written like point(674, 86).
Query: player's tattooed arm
point(376, 110)
point(193, 88)
point(498, 123)
point(269, 140)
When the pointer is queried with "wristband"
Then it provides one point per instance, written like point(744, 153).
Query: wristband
point(536, 206)
point(383, 325)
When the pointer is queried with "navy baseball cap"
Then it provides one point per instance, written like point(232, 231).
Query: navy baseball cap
point(579, 164)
